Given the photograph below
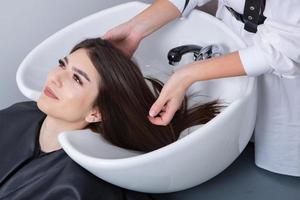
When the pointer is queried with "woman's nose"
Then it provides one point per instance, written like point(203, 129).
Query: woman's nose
point(57, 78)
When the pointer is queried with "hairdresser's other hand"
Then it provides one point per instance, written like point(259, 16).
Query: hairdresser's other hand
point(170, 98)
point(125, 37)
point(128, 35)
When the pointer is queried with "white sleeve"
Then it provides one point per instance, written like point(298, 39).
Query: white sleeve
point(276, 47)
point(186, 6)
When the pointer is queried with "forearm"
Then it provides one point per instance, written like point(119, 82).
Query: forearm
point(219, 67)
point(155, 16)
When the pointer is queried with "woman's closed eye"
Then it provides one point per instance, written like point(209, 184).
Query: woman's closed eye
point(76, 77)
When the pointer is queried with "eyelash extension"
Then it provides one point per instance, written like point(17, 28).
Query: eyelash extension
point(75, 76)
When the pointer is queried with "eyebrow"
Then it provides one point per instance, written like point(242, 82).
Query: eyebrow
point(79, 71)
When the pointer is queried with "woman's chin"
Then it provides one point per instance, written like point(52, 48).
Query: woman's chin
point(43, 104)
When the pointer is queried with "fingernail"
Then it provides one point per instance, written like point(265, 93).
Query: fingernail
point(152, 113)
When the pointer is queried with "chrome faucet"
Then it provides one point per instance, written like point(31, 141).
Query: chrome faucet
point(209, 51)
point(200, 53)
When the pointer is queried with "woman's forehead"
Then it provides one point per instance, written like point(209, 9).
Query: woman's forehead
point(80, 59)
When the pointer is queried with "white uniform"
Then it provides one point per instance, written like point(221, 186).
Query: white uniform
point(272, 54)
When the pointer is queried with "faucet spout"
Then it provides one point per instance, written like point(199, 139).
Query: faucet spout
point(200, 53)
point(175, 54)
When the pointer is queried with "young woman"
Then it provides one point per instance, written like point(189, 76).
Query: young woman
point(94, 87)
point(271, 30)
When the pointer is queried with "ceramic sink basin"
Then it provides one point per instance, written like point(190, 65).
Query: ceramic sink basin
point(204, 152)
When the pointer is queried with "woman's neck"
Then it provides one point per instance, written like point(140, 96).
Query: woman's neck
point(50, 130)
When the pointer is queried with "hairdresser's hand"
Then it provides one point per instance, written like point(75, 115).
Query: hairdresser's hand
point(125, 37)
point(173, 92)
point(170, 98)
point(128, 35)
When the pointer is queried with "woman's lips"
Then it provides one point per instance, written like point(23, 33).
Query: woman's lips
point(48, 92)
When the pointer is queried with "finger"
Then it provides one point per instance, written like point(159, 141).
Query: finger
point(155, 120)
point(167, 116)
point(161, 113)
point(106, 36)
point(164, 118)
point(109, 35)
point(157, 106)
point(164, 108)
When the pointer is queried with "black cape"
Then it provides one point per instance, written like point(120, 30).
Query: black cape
point(28, 173)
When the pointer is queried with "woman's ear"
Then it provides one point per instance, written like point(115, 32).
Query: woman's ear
point(93, 116)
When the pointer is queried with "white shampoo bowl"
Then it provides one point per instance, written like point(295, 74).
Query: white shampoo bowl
point(203, 153)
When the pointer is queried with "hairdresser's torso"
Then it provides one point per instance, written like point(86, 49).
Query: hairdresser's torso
point(277, 131)
point(276, 11)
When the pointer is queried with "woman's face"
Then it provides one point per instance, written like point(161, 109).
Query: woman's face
point(71, 88)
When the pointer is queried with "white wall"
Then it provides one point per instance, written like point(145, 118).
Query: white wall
point(24, 24)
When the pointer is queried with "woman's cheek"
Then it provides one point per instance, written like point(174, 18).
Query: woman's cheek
point(72, 92)
point(76, 103)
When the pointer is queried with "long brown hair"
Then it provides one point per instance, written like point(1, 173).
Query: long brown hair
point(124, 100)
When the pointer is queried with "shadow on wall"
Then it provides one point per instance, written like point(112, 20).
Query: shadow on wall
point(210, 7)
